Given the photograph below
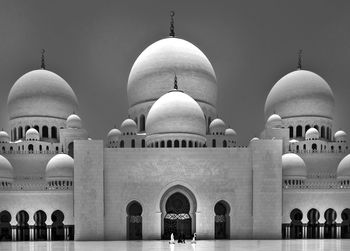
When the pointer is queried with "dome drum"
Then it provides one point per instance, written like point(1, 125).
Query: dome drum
point(128, 127)
point(217, 127)
point(274, 121)
point(174, 140)
point(32, 135)
point(4, 137)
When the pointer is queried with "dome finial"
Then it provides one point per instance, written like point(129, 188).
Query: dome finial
point(175, 83)
point(43, 59)
point(172, 29)
point(300, 58)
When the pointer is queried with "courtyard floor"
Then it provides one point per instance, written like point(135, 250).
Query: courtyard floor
point(201, 245)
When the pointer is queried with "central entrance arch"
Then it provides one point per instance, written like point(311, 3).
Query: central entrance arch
point(178, 206)
point(177, 219)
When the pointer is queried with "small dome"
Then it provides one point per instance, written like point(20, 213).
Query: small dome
point(41, 93)
point(113, 134)
point(60, 166)
point(74, 121)
point(32, 134)
point(4, 137)
point(175, 112)
point(340, 136)
point(254, 139)
point(312, 134)
point(274, 121)
point(6, 169)
point(128, 127)
point(293, 166)
point(293, 141)
point(230, 132)
point(299, 94)
point(217, 126)
point(343, 170)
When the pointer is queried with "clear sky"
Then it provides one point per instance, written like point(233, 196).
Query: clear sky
point(251, 45)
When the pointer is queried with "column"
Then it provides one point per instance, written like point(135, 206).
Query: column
point(304, 231)
point(288, 232)
point(338, 231)
point(31, 233)
point(64, 233)
point(321, 231)
point(13, 229)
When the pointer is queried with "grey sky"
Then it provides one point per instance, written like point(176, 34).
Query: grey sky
point(251, 45)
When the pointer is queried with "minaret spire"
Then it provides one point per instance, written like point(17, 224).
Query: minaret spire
point(43, 59)
point(300, 59)
point(172, 29)
point(175, 83)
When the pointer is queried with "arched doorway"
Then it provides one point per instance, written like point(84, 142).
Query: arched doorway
point(330, 226)
point(177, 219)
point(134, 221)
point(22, 218)
point(222, 220)
point(345, 225)
point(57, 228)
point(296, 226)
point(40, 233)
point(313, 228)
point(5, 226)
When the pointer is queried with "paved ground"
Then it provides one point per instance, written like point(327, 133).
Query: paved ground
point(234, 245)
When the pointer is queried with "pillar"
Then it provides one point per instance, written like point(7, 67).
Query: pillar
point(321, 229)
point(304, 231)
point(338, 231)
point(13, 232)
point(31, 233)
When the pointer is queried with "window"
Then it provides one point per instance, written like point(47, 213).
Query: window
point(54, 132)
point(213, 143)
point(291, 132)
point(299, 131)
point(45, 132)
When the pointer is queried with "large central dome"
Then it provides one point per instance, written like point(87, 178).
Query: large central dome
point(153, 71)
point(41, 93)
point(300, 93)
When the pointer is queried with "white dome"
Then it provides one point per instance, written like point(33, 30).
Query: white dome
point(60, 166)
point(74, 121)
point(217, 126)
point(298, 94)
point(230, 132)
point(113, 134)
point(293, 166)
point(293, 141)
point(312, 134)
point(6, 169)
point(340, 136)
point(343, 170)
point(254, 139)
point(128, 126)
point(153, 71)
point(175, 112)
point(41, 93)
point(4, 137)
point(274, 121)
point(32, 134)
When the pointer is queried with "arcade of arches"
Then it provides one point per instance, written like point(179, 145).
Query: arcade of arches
point(40, 231)
point(314, 229)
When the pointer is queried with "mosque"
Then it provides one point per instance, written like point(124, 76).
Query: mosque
point(172, 166)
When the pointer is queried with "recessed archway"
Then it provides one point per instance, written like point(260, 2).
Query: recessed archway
point(22, 218)
point(40, 233)
point(345, 225)
point(57, 227)
point(330, 226)
point(178, 206)
point(222, 220)
point(5, 226)
point(296, 226)
point(313, 228)
point(134, 221)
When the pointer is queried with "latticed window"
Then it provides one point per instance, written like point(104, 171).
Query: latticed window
point(220, 218)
